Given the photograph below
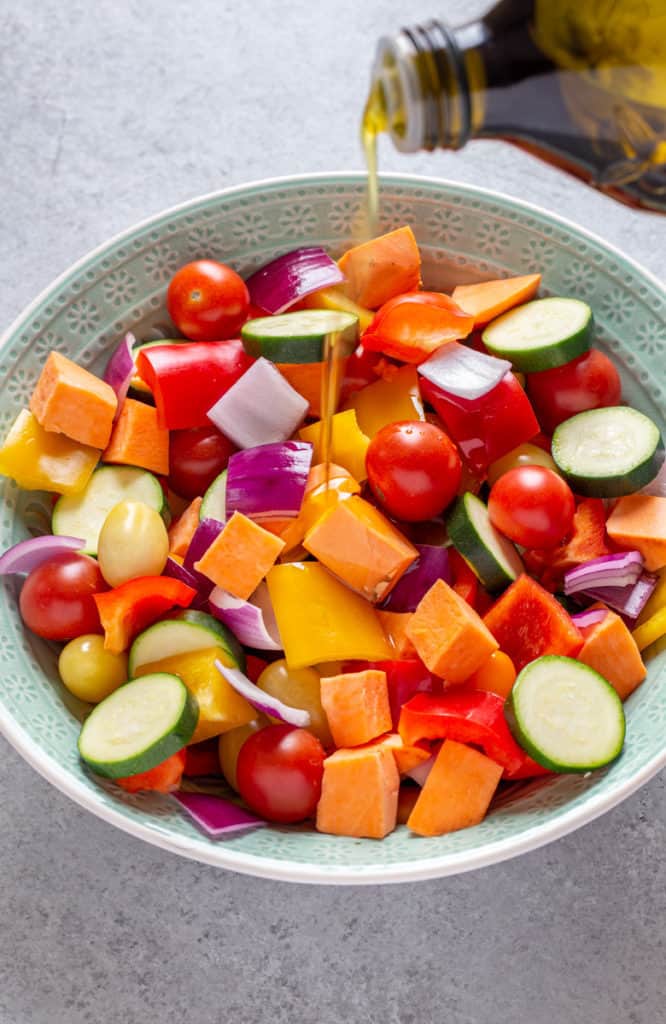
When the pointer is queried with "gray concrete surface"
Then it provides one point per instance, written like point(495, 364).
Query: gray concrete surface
point(111, 111)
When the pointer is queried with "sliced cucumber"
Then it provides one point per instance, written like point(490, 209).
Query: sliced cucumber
point(492, 557)
point(605, 453)
point(85, 512)
point(299, 337)
point(213, 505)
point(138, 726)
point(185, 631)
point(566, 715)
point(541, 334)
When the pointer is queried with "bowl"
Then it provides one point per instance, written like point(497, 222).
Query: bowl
point(465, 234)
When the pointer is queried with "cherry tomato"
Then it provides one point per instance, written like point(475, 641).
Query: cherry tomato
point(207, 301)
point(163, 778)
point(279, 773)
point(497, 675)
point(196, 457)
point(413, 469)
point(532, 506)
point(57, 597)
point(589, 382)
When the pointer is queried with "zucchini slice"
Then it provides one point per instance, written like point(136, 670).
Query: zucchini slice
point(82, 515)
point(541, 334)
point(186, 631)
point(213, 505)
point(138, 726)
point(605, 453)
point(566, 715)
point(299, 337)
point(493, 558)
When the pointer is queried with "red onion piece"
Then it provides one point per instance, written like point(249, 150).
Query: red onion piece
point(252, 622)
point(268, 481)
point(285, 280)
point(619, 570)
point(420, 772)
point(588, 618)
point(261, 407)
point(215, 815)
point(261, 701)
point(120, 369)
point(29, 554)
point(629, 600)
point(432, 564)
point(462, 371)
point(204, 535)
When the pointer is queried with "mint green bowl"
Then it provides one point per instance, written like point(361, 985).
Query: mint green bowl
point(465, 234)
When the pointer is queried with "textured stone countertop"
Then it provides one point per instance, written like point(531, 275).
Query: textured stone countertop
point(112, 111)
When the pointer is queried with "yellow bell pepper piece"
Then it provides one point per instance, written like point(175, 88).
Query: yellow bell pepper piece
point(41, 460)
point(348, 443)
point(221, 708)
point(319, 619)
point(657, 599)
point(388, 401)
point(335, 298)
point(652, 630)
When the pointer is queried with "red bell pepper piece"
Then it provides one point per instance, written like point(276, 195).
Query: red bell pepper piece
point(465, 582)
point(202, 758)
point(486, 428)
point(412, 326)
point(163, 778)
point(588, 540)
point(468, 716)
point(129, 608)
point(528, 622)
point(187, 379)
point(404, 678)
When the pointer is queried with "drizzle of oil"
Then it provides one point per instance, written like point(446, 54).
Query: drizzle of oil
point(331, 382)
point(375, 121)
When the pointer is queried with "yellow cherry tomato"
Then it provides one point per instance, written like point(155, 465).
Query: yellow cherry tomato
point(89, 671)
point(523, 455)
point(299, 688)
point(133, 542)
point(230, 744)
point(496, 675)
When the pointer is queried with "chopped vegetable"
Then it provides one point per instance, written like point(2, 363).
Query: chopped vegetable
point(612, 651)
point(395, 625)
point(39, 460)
point(260, 408)
point(182, 530)
point(488, 299)
point(639, 521)
point(28, 554)
point(404, 678)
point(412, 326)
point(457, 791)
point(120, 369)
point(349, 444)
point(282, 282)
point(129, 608)
point(70, 400)
point(163, 778)
point(182, 632)
point(542, 334)
point(138, 440)
point(215, 815)
point(387, 401)
point(239, 558)
point(618, 570)
point(359, 793)
point(252, 622)
point(262, 701)
point(381, 268)
point(496, 675)
point(335, 298)
point(629, 600)
point(302, 337)
point(268, 481)
point(491, 555)
point(432, 564)
point(651, 630)
point(463, 372)
point(356, 706)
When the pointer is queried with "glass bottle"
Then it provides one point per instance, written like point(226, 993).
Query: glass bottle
point(579, 83)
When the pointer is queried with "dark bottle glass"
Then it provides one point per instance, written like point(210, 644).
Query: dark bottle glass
point(579, 83)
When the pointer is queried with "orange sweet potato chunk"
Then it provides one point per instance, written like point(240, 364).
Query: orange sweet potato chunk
point(183, 529)
point(137, 440)
point(357, 706)
point(611, 650)
point(361, 547)
point(639, 521)
point(489, 299)
point(449, 637)
point(359, 793)
point(457, 792)
point(239, 558)
point(70, 400)
point(395, 625)
point(378, 270)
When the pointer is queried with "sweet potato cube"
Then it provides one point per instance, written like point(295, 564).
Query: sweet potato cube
point(610, 648)
point(639, 521)
point(395, 625)
point(357, 706)
point(361, 547)
point(240, 556)
point(457, 792)
point(449, 637)
point(137, 440)
point(70, 400)
point(377, 270)
point(359, 793)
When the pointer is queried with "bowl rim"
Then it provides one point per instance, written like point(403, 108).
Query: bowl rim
point(219, 854)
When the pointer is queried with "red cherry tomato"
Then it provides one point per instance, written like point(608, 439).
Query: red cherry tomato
point(196, 457)
point(57, 597)
point(589, 382)
point(532, 506)
point(413, 469)
point(279, 773)
point(208, 301)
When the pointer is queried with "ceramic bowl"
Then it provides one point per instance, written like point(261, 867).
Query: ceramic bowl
point(465, 234)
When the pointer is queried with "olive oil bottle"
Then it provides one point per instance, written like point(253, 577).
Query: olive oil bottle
point(579, 83)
